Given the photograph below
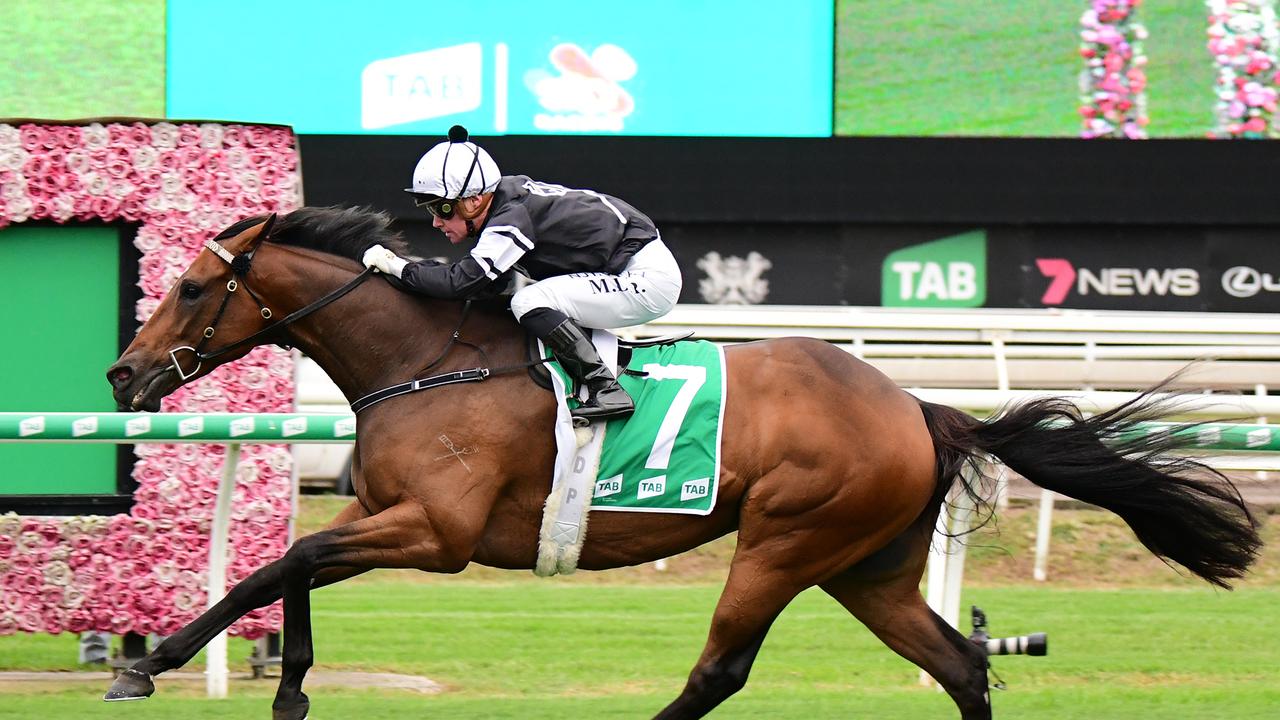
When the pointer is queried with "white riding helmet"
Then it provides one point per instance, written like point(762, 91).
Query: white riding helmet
point(454, 169)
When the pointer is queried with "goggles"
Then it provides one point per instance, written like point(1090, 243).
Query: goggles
point(443, 208)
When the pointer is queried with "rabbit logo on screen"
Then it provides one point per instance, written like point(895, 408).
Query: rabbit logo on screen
point(586, 94)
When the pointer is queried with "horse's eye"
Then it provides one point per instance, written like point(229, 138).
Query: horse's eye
point(190, 290)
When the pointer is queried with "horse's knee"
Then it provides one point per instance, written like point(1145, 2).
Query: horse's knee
point(305, 555)
point(969, 689)
point(297, 657)
point(452, 560)
point(720, 679)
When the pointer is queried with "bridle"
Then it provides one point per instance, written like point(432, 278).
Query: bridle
point(240, 266)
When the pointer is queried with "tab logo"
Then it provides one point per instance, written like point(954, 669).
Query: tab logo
point(1208, 436)
point(1257, 438)
point(421, 86)
point(241, 426)
point(652, 487)
point(608, 486)
point(190, 426)
point(344, 427)
point(951, 272)
point(31, 426)
point(137, 426)
point(695, 489)
point(84, 426)
point(293, 426)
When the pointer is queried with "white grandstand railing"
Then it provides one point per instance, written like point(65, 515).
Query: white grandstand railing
point(1002, 349)
point(954, 325)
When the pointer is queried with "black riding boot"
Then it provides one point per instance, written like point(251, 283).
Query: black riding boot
point(605, 397)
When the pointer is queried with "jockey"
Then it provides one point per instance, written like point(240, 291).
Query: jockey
point(597, 261)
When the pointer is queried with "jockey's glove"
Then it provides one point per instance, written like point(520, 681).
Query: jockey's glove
point(384, 261)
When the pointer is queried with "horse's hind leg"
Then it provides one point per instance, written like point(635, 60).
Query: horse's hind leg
point(888, 602)
point(756, 592)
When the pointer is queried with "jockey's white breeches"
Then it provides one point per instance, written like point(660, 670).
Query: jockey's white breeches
point(646, 290)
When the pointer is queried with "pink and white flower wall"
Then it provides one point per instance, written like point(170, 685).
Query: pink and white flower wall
point(145, 572)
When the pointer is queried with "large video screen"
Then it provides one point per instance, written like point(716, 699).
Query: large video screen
point(1007, 68)
point(662, 67)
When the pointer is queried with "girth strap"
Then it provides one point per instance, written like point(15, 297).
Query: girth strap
point(404, 388)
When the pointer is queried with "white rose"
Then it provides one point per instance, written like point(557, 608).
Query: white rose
point(120, 189)
point(15, 189)
point(171, 183)
point(210, 136)
point(250, 181)
point(95, 183)
point(19, 209)
point(57, 572)
point(9, 136)
point(13, 158)
point(63, 208)
point(164, 135)
point(95, 136)
point(144, 156)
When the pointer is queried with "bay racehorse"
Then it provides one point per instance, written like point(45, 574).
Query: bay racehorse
point(831, 475)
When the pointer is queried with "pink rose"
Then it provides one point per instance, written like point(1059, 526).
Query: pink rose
point(69, 136)
point(1255, 125)
point(137, 134)
point(78, 621)
point(32, 137)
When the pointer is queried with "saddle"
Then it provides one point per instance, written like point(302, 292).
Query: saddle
point(542, 376)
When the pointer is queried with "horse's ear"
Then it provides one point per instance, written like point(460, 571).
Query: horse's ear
point(263, 234)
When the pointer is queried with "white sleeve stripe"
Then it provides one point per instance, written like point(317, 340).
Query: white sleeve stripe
point(487, 266)
point(621, 218)
point(512, 232)
point(498, 251)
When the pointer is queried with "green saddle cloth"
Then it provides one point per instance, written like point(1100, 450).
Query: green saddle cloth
point(666, 456)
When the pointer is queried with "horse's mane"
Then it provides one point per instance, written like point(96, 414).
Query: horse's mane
point(344, 231)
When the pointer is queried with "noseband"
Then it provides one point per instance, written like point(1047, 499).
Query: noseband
point(240, 266)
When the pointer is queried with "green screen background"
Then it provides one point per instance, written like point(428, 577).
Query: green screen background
point(65, 59)
point(61, 331)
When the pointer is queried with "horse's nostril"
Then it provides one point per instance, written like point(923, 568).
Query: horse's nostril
point(120, 375)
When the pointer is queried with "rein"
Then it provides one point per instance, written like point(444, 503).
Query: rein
point(471, 375)
point(241, 264)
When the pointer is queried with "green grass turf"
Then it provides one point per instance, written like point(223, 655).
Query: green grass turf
point(544, 649)
point(1003, 67)
point(66, 59)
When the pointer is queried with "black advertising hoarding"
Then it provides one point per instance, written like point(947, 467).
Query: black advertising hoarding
point(1172, 268)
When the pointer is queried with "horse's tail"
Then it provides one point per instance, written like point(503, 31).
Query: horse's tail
point(1180, 509)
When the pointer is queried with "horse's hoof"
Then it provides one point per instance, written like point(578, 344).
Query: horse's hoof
point(297, 712)
point(130, 685)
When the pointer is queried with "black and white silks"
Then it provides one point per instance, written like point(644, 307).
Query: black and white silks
point(543, 229)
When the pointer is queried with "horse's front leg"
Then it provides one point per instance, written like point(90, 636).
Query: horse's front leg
point(403, 536)
point(261, 588)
